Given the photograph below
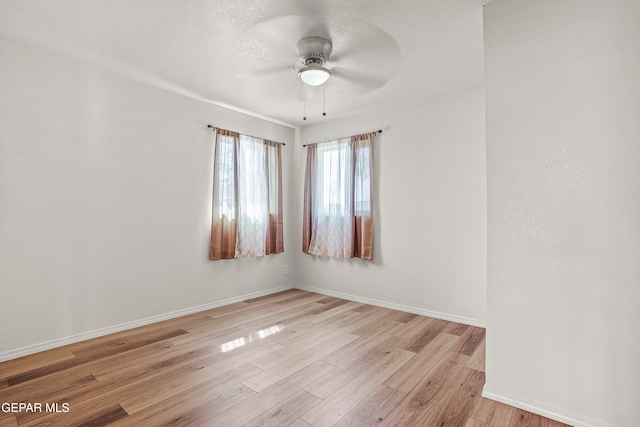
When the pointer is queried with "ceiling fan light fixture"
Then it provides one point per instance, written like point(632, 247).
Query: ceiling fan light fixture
point(314, 76)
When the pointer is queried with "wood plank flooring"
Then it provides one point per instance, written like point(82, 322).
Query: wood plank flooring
point(293, 358)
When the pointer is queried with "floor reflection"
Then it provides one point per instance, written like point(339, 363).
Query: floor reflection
point(262, 333)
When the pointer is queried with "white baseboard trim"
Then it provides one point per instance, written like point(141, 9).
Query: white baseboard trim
point(542, 409)
point(399, 307)
point(59, 342)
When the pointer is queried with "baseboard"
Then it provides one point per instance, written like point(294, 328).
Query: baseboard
point(542, 409)
point(399, 307)
point(59, 342)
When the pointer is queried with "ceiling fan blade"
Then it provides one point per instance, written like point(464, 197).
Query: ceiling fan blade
point(265, 72)
point(362, 40)
point(350, 81)
point(365, 56)
point(281, 34)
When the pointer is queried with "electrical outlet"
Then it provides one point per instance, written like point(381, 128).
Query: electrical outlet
point(286, 269)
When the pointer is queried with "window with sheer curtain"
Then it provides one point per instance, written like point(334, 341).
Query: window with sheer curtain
point(338, 198)
point(247, 197)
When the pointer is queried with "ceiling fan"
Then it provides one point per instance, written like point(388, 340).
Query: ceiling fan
point(353, 56)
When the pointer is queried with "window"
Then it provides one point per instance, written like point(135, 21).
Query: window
point(247, 197)
point(338, 213)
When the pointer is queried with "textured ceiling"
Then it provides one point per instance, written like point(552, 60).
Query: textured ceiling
point(242, 53)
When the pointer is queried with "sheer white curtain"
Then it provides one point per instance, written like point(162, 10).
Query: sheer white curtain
point(253, 198)
point(338, 207)
point(247, 202)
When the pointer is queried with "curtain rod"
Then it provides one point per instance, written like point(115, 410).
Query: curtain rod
point(281, 143)
point(376, 132)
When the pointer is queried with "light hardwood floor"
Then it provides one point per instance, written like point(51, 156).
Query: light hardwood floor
point(289, 359)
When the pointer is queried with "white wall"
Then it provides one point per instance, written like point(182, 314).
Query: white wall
point(105, 202)
point(430, 212)
point(563, 156)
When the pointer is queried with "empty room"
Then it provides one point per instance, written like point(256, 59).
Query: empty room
point(320, 212)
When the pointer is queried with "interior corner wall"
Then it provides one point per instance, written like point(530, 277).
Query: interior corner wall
point(429, 212)
point(105, 202)
point(563, 156)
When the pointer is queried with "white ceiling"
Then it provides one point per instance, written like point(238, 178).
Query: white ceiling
point(241, 53)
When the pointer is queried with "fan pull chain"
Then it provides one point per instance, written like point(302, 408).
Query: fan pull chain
point(324, 102)
point(304, 100)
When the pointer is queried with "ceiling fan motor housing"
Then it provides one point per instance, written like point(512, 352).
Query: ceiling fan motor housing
point(314, 51)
